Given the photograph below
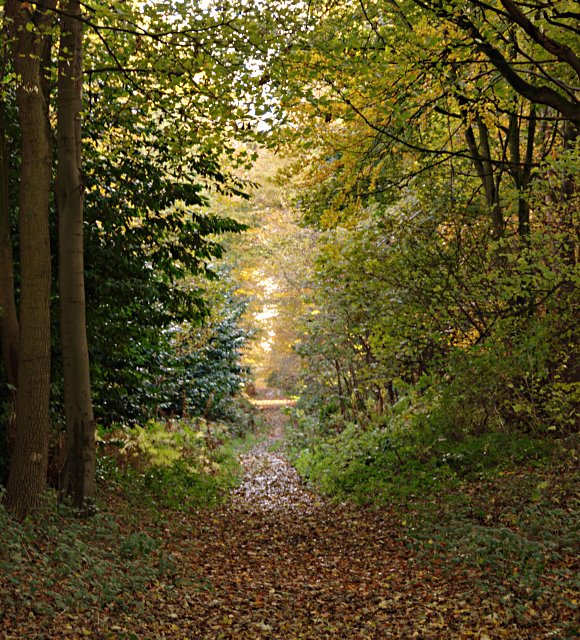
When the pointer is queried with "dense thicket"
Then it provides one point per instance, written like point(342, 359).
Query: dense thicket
point(438, 146)
point(442, 153)
point(162, 92)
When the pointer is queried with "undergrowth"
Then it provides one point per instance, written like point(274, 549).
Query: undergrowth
point(381, 465)
point(504, 507)
point(177, 465)
point(55, 562)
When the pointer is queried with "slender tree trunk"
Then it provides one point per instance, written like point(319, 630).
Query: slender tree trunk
point(8, 315)
point(28, 465)
point(481, 158)
point(79, 477)
point(392, 394)
point(521, 174)
point(569, 193)
point(480, 153)
point(521, 170)
point(571, 227)
point(490, 181)
point(339, 388)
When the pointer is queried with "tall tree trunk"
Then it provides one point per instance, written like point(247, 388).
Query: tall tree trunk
point(79, 477)
point(8, 315)
point(28, 465)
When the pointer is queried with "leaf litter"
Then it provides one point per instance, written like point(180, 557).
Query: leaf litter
point(280, 561)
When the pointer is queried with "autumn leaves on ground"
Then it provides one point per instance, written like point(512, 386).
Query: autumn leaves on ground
point(275, 560)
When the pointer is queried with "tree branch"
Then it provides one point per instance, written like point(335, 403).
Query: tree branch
point(561, 51)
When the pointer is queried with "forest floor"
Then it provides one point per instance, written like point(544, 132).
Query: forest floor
point(278, 561)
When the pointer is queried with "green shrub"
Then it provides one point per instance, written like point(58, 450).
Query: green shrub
point(366, 466)
point(174, 465)
point(518, 529)
point(386, 463)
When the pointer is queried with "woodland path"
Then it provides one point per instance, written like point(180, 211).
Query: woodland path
point(278, 561)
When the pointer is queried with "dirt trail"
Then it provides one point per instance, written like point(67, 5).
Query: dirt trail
point(280, 562)
point(270, 483)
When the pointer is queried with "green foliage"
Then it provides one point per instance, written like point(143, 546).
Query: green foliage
point(208, 370)
point(181, 488)
point(447, 265)
point(146, 237)
point(159, 445)
point(519, 386)
point(414, 299)
point(514, 528)
point(414, 456)
point(136, 545)
point(84, 564)
point(174, 465)
point(147, 358)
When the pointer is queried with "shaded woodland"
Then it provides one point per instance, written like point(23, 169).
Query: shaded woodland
point(240, 242)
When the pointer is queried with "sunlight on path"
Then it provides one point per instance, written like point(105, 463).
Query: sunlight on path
point(273, 403)
point(270, 482)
